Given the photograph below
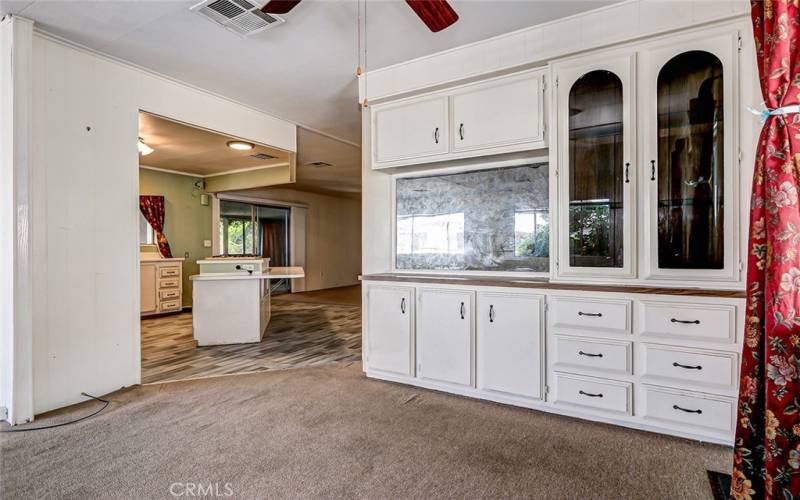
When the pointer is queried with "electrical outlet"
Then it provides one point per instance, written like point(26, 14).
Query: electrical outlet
point(206, 243)
point(185, 255)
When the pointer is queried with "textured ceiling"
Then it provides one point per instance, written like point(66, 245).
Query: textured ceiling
point(303, 70)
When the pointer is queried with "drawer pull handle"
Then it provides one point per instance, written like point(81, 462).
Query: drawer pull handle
point(461, 131)
point(403, 305)
point(594, 315)
point(598, 395)
point(685, 322)
point(652, 170)
point(491, 313)
point(627, 176)
point(462, 310)
point(590, 354)
point(676, 407)
point(436, 135)
point(698, 367)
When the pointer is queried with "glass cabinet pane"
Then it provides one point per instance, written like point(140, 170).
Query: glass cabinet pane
point(596, 171)
point(690, 162)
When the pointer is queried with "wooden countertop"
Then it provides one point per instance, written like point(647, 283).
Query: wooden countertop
point(546, 284)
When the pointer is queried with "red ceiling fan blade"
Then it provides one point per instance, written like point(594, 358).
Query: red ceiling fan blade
point(436, 14)
point(279, 6)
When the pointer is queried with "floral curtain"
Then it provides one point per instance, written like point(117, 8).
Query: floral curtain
point(152, 208)
point(767, 450)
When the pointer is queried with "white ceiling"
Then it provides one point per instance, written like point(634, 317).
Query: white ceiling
point(303, 70)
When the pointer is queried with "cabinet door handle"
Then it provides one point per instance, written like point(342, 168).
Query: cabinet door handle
point(652, 170)
point(461, 131)
point(685, 321)
point(598, 395)
point(491, 313)
point(462, 310)
point(627, 173)
point(436, 135)
point(600, 355)
point(594, 315)
point(676, 407)
point(403, 305)
point(688, 367)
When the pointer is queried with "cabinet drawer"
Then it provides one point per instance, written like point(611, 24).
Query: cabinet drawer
point(712, 322)
point(168, 272)
point(169, 294)
point(703, 368)
point(606, 315)
point(601, 394)
point(682, 408)
point(600, 355)
point(168, 283)
point(170, 305)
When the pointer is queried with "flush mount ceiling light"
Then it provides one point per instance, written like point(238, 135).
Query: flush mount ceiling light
point(241, 145)
point(144, 149)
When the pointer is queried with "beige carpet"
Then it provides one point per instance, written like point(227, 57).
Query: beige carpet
point(330, 432)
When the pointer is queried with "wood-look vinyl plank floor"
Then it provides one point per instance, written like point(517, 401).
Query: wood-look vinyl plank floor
point(300, 334)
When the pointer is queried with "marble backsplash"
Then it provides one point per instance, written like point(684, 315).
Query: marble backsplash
point(486, 220)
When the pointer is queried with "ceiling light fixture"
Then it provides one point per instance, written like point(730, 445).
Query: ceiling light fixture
point(144, 149)
point(241, 145)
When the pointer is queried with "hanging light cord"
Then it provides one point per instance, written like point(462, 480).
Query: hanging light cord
point(62, 424)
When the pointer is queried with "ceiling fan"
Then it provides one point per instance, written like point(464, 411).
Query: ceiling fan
point(436, 14)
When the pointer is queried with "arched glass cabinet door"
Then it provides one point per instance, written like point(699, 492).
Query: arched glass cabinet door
point(689, 165)
point(596, 172)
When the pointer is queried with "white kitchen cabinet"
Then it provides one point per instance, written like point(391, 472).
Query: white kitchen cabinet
point(501, 112)
point(444, 335)
point(412, 130)
point(148, 288)
point(389, 321)
point(687, 111)
point(509, 342)
point(596, 173)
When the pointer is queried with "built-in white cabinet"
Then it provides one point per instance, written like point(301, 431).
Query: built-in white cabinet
point(596, 172)
point(483, 118)
point(649, 131)
point(389, 321)
point(445, 335)
point(500, 115)
point(410, 130)
point(509, 343)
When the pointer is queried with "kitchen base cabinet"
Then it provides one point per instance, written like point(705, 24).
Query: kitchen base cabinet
point(389, 318)
point(509, 343)
point(444, 335)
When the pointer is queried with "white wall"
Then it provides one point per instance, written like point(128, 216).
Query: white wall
point(85, 210)
point(333, 235)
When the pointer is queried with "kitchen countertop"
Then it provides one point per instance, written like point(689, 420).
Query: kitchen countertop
point(271, 273)
point(162, 259)
point(547, 284)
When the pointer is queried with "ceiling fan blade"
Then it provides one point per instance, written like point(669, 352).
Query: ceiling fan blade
point(279, 6)
point(436, 14)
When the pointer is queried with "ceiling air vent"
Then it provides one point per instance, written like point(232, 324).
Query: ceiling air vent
point(239, 16)
point(263, 156)
point(319, 164)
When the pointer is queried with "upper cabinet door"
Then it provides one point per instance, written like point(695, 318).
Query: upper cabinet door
point(688, 151)
point(597, 171)
point(499, 113)
point(410, 129)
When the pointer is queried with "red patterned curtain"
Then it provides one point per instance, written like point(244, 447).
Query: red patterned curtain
point(767, 450)
point(152, 208)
